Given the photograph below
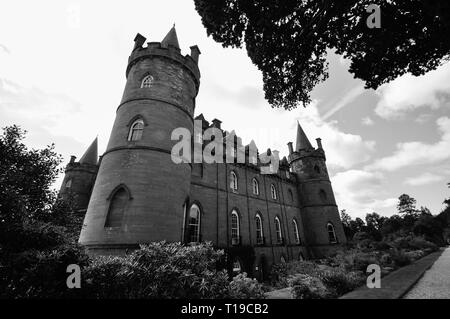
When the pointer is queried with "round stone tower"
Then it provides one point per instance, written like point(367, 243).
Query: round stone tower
point(323, 227)
point(139, 193)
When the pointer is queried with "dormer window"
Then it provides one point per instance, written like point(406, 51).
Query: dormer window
point(147, 81)
point(136, 130)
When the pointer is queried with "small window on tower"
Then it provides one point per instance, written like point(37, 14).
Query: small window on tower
point(323, 195)
point(136, 130)
point(147, 82)
point(69, 184)
point(317, 169)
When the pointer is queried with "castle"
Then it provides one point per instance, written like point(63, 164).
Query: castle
point(135, 193)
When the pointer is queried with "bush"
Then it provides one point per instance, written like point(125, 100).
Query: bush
point(308, 287)
point(421, 243)
point(242, 287)
point(340, 282)
point(278, 275)
point(399, 258)
point(159, 270)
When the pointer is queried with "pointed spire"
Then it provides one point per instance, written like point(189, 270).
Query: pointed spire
point(302, 139)
point(171, 39)
point(91, 154)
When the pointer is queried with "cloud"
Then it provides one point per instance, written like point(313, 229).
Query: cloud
point(423, 118)
point(409, 92)
point(415, 153)
point(349, 97)
point(367, 121)
point(361, 192)
point(424, 179)
point(344, 150)
point(4, 48)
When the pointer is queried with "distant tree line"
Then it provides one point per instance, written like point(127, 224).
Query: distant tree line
point(409, 220)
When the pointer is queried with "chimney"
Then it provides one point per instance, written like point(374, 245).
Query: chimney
point(138, 41)
point(319, 142)
point(216, 123)
point(291, 150)
point(195, 52)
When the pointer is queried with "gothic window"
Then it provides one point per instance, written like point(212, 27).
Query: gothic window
point(296, 234)
point(317, 169)
point(147, 82)
point(278, 230)
point(233, 181)
point(331, 233)
point(300, 257)
point(117, 208)
point(291, 195)
point(288, 175)
point(235, 227)
point(323, 195)
point(273, 191)
point(194, 224)
point(69, 184)
point(259, 230)
point(136, 130)
point(255, 186)
point(283, 260)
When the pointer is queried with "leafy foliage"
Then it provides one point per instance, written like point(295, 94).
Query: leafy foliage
point(288, 40)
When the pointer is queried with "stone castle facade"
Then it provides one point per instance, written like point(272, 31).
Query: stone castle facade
point(135, 193)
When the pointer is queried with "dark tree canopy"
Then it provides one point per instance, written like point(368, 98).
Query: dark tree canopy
point(288, 40)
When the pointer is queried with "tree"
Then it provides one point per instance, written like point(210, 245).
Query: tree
point(37, 234)
point(406, 205)
point(346, 223)
point(25, 179)
point(288, 40)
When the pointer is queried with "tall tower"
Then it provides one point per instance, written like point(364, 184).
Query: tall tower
point(322, 224)
point(79, 178)
point(140, 193)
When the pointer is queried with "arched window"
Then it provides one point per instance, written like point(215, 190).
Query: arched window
point(291, 195)
point(234, 227)
point(283, 260)
point(69, 184)
point(296, 234)
point(317, 169)
point(136, 130)
point(194, 224)
point(259, 230)
point(278, 230)
point(117, 208)
point(255, 186)
point(331, 233)
point(300, 257)
point(233, 181)
point(323, 195)
point(273, 191)
point(147, 82)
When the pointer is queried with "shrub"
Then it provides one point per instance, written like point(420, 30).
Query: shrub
point(159, 270)
point(421, 243)
point(242, 287)
point(279, 274)
point(308, 287)
point(399, 258)
point(340, 281)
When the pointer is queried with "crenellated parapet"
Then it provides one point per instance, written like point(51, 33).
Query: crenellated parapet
point(168, 51)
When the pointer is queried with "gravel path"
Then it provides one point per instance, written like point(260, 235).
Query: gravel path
point(435, 283)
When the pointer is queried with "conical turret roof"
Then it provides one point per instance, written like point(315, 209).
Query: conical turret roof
point(91, 154)
point(302, 139)
point(171, 39)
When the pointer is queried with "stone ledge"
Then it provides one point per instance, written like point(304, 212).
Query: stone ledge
point(397, 283)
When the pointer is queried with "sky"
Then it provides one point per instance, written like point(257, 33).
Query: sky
point(62, 75)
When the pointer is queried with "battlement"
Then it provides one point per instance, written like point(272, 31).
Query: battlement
point(168, 48)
